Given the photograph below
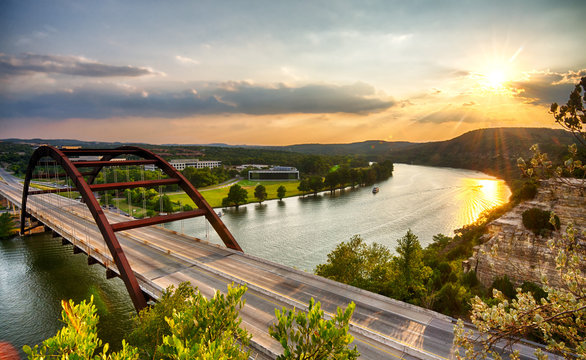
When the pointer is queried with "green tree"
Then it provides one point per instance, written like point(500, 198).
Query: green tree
point(150, 325)
point(260, 192)
point(412, 274)
point(316, 184)
point(236, 196)
point(207, 329)
point(304, 186)
point(78, 339)
point(572, 115)
point(200, 177)
point(167, 204)
point(7, 225)
point(358, 264)
point(281, 191)
point(332, 180)
point(311, 337)
point(354, 177)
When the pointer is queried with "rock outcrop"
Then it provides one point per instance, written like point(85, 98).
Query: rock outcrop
point(510, 249)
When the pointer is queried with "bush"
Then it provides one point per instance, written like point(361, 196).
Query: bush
point(535, 290)
point(452, 300)
point(505, 286)
point(538, 221)
point(469, 279)
point(526, 192)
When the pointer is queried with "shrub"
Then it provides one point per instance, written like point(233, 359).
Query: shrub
point(469, 279)
point(538, 221)
point(452, 300)
point(526, 192)
point(535, 290)
point(505, 286)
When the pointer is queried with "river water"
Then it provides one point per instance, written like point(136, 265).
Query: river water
point(301, 231)
point(37, 272)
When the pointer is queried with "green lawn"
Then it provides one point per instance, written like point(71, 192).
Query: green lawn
point(214, 197)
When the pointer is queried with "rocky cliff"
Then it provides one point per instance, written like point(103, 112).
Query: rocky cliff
point(510, 249)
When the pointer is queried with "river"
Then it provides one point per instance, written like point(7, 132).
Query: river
point(37, 272)
point(301, 231)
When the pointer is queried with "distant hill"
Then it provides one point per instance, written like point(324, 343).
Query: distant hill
point(365, 148)
point(494, 151)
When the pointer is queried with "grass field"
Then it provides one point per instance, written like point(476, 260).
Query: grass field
point(214, 197)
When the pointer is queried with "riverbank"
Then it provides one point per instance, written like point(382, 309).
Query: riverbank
point(214, 196)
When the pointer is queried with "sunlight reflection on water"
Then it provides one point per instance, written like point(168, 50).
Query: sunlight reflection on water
point(479, 195)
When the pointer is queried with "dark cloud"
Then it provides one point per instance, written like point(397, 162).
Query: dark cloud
point(548, 87)
point(251, 99)
point(234, 97)
point(68, 65)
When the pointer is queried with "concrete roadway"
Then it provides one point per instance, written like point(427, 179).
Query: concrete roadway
point(383, 328)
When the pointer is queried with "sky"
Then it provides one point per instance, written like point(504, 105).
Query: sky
point(284, 72)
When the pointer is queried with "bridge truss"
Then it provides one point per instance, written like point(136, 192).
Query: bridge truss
point(83, 182)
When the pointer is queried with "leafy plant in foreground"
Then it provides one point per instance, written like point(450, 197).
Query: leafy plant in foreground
point(310, 336)
point(79, 338)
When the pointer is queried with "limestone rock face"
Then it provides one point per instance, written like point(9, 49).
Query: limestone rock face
point(510, 249)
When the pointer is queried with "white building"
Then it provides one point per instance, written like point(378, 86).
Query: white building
point(181, 164)
point(255, 166)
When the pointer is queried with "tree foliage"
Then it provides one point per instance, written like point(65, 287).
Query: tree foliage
point(186, 325)
point(538, 221)
point(78, 339)
point(412, 273)
point(207, 329)
point(260, 193)
point(304, 186)
point(572, 115)
point(7, 225)
point(281, 191)
point(236, 196)
point(311, 337)
point(372, 267)
point(150, 325)
point(358, 264)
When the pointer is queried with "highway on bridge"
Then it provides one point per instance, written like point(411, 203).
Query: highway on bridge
point(383, 328)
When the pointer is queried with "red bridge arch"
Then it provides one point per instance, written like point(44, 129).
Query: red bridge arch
point(87, 188)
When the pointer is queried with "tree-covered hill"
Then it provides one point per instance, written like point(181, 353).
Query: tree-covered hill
point(494, 151)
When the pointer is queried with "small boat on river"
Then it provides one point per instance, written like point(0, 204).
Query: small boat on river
point(375, 189)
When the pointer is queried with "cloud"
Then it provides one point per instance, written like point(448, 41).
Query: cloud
point(26, 64)
point(186, 61)
point(207, 98)
point(546, 87)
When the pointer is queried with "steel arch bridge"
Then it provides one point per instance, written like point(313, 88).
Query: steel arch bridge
point(86, 188)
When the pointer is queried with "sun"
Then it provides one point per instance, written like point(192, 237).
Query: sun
point(496, 79)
